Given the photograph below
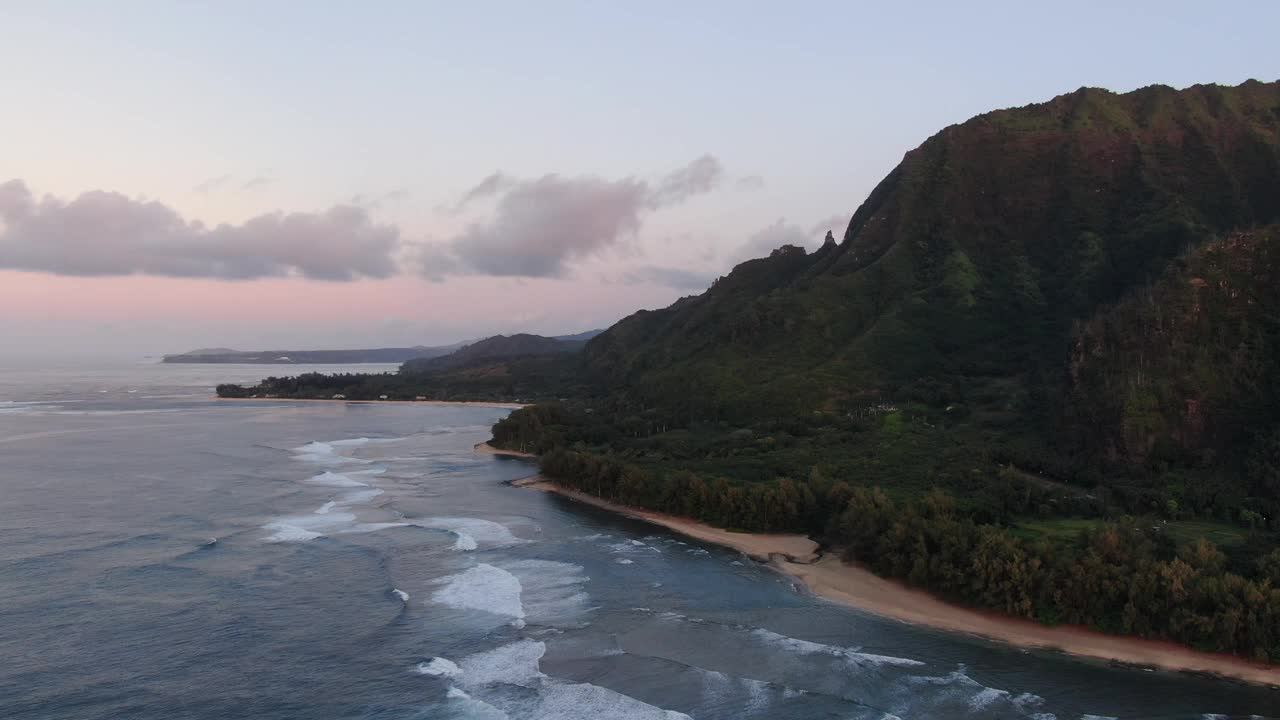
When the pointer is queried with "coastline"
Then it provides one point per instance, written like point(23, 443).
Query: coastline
point(470, 403)
point(829, 578)
point(485, 448)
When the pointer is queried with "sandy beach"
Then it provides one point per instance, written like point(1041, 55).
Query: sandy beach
point(485, 448)
point(793, 549)
point(829, 578)
point(508, 406)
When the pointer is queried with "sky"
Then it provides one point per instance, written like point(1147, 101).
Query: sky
point(293, 175)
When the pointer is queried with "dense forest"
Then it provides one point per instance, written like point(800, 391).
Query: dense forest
point(1038, 374)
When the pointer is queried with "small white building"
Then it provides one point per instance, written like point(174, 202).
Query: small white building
point(339, 396)
point(382, 397)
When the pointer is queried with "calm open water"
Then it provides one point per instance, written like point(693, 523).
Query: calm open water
point(167, 556)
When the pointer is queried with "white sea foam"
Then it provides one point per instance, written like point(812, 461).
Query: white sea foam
point(518, 664)
point(624, 561)
point(299, 528)
point(332, 479)
point(472, 532)
point(483, 587)
point(513, 664)
point(631, 547)
point(326, 453)
point(805, 647)
point(582, 701)
point(284, 532)
point(404, 596)
point(326, 507)
point(957, 688)
point(358, 497)
point(473, 709)
point(370, 527)
point(552, 592)
point(439, 666)
point(353, 442)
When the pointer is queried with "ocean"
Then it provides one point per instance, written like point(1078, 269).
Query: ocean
point(164, 555)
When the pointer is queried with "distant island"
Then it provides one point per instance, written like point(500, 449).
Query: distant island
point(501, 368)
point(223, 356)
point(1040, 375)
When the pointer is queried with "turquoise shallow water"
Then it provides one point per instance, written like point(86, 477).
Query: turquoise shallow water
point(163, 555)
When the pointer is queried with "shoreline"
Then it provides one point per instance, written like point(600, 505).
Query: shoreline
point(829, 578)
point(485, 448)
point(468, 403)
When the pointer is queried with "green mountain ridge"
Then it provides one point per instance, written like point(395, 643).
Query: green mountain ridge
point(1038, 374)
point(995, 233)
point(498, 347)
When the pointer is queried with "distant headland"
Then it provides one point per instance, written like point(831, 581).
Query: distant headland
point(223, 356)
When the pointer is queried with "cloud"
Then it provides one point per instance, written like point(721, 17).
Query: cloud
point(257, 181)
point(677, 278)
point(537, 227)
point(106, 233)
point(487, 187)
point(698, 177)
point(749, 182)
point(212, 184)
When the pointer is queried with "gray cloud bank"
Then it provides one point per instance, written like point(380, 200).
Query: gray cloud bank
point(528, 228)
point(538, 226)
point(106, 233)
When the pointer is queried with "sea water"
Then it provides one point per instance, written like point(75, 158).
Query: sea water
point(166, 555)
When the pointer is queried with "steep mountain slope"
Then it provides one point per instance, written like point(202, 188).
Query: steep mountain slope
point(1038, 375)
point(498, 347)
point(959, 278)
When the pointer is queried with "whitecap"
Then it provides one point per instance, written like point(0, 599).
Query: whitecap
point(483, 587)
point(518, 664)
point(471, 532)
point(370, 527)
point(473, 709)
point(359, 497)
point(630, 547)
point(326, 453)
point(440, 667)
point(284, 532)
point(326, 507)
point(805, 647)
point(512, 664)
point(353, 442)
point(957, 687)
point(332, 479)
point(552, 592)
point(404, 596)
point(624, 561)
point(300, 528)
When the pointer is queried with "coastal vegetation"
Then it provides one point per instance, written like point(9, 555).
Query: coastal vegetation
point(1037, 375)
